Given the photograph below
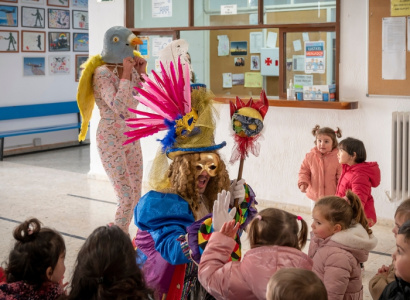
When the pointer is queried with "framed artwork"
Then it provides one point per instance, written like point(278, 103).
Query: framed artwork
point(79, 60)
point(33, 1)
point(79, 4)
point(9, 41)
point(80, 19)
point(59, 64)
point(33, 17)
point(80, 42)
point(58, 41)
point(62, 3)
point(58, 18)
point(33, 41)
point(34, 66)
point(8, 16)
point(9, 1)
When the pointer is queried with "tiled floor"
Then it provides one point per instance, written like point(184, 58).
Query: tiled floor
point(53, 186)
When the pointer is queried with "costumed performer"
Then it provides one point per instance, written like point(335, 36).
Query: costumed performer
point(108, 80)
point(174, 218)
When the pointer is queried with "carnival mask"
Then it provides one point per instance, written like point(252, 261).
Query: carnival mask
point(186, 124)
point(245, 125)
point(208, 162)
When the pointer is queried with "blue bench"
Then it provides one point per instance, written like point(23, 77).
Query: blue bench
point(37, 110)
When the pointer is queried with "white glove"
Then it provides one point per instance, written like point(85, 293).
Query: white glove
point(220, 211)
point(237, 191)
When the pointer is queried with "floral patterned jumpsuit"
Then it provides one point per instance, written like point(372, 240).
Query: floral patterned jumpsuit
point(123, 164)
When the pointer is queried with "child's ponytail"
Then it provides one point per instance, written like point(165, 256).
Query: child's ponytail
point(358, 213)
point(27, 231)
point(303, 232)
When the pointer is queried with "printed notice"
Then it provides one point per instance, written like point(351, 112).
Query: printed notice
point(227, 80)
point(394, 48)
point(223, 45)
point(255, 43)
point(315, 57)
point(229, 9)
point(400, 8)
point(159, 43)
point(253, 79)
point(161, 8)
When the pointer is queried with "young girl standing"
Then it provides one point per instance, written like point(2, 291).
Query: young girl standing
point(275, 242)
point(340, 240)
point(358, 175)
point(35, 268)
point(320, 170)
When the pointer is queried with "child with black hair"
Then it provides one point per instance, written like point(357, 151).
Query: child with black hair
point(35, 268)
point(340, 241)
point(385, 274)
point(400, 288)
point(275, 243)
point(358, 175)
point(295, 284)
point(106, 268)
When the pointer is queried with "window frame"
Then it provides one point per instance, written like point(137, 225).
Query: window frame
point(283, 30)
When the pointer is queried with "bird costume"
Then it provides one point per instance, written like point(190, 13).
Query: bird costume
point(100, 84)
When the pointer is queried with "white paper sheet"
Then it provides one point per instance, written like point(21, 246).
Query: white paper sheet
point(255, 42)
point(229, 9)
point(408, 33)
point(305, 36)
point(227, 80)
point(271, 40)
point(161, 8)
point(298, 63)
point(159, 43)
point(394, 48)
point(297, 45)
point(223, 45)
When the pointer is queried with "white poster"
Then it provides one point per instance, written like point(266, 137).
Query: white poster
point(227, 80)
point(159, 43)
point(315, 61)
point(223, 45)
point(229, 9)
point(161, 8)
point(255, 42)
point(298, 63)
point(394, 48)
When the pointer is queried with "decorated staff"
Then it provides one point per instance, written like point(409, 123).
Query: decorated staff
point(247, 123)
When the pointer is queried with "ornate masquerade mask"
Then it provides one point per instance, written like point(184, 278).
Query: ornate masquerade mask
point(186, 124)
point(246, 126)
point(208, 162)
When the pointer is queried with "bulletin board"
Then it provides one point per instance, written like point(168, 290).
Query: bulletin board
point(376, 85)
point(225, 64)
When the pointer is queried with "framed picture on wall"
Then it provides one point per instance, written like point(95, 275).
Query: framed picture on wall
point(33, 1)
point(79, 4)
point(59, 64)
point(79, 60)
point(8, 16)
point(34, 66)
point(33, 41)
point(80, 19)
point(58, 18)
point(9, 1)
point(9, 41)
point(80, 42)
point(58, 41)
point(33, 17)
point(62, 3)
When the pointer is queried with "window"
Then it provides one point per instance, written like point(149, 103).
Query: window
point(288, 25)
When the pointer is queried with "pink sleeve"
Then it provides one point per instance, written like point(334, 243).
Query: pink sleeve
point(304, 172)
point(118, 99)
point(214, 269)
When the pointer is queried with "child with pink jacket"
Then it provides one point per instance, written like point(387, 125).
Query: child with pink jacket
point(320, 170)
point(275, 242)
point(340, 241)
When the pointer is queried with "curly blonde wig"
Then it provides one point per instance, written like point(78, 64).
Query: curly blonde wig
point(183, 179)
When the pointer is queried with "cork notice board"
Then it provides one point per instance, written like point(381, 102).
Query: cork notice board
point(376, 85)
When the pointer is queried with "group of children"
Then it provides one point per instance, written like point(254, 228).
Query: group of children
point(274, 268)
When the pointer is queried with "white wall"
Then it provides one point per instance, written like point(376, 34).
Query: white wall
point(287, 137)
point(17, 89)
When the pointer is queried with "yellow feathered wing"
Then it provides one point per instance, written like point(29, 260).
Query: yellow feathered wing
point(85, 91)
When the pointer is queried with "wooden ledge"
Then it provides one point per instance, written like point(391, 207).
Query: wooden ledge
point(294, 103)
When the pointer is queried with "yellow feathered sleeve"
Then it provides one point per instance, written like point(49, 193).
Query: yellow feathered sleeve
point(85, 92)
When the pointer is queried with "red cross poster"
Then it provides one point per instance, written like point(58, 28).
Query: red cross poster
point(269, 61)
